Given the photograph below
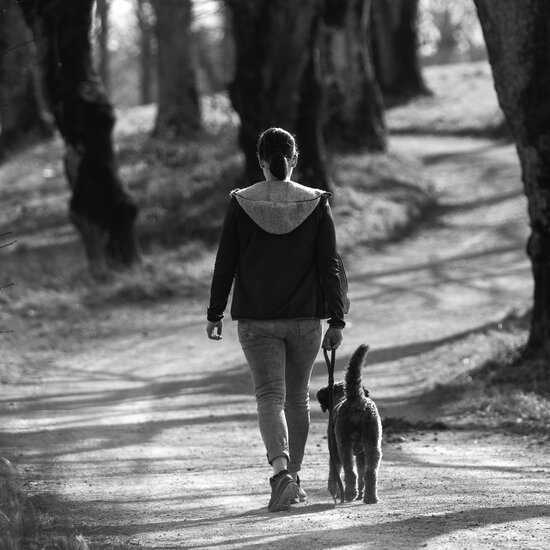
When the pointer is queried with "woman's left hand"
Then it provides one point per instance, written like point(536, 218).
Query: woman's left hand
point(214, 330)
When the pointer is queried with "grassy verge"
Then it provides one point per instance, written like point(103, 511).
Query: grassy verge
point(33, 524)
point(463, 103)
point(182, 190)
point(501, 387)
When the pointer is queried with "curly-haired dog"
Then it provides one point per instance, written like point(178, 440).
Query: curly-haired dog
point(357, 431)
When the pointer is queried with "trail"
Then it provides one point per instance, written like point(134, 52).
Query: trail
point(152, 439)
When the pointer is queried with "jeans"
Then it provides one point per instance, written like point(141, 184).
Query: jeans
point(281, 354)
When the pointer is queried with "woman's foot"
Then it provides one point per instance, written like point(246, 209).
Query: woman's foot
point(301, 496)
point(283, 490)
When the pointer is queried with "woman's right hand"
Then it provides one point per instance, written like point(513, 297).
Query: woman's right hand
point(333, 338)
point(214, 330)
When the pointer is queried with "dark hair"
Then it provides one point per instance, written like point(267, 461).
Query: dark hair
point(277, 147)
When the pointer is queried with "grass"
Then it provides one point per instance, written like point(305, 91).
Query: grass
point(502, 388)
point(463, 103)
point(182, 190)
point(14, 513)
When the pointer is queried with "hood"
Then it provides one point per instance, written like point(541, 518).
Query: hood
point(278, 207)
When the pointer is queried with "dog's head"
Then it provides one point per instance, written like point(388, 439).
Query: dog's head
point(323, 395)
point(339, 394)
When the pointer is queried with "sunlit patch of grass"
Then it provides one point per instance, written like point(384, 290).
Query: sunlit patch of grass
point(378, 197)
point(60, 312)
point(464, 102)
point(182, 272)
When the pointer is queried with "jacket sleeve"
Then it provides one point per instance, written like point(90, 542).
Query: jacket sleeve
point(225, 265)
point(328, 266)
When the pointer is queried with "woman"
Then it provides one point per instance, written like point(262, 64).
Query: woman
point(278, 245)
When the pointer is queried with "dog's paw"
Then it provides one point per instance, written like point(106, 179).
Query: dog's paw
point(370, 499)
point(334, 490)
point(350, 494)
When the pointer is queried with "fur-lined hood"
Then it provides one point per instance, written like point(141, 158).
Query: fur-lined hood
point(278, 207)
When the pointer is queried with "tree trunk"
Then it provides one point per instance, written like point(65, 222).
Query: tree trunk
point(274, 41)
point(101, 208)
point(103, 40)
point(355, 107)
point(178, 104)
point(23, 112)
point(517, 37)
point(144, 14)
point(394, 40)
point(312, 168)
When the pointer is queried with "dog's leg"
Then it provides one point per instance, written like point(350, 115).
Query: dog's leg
point(373, 454)
point(345, 450)
point(361, 465)
point(333, 488)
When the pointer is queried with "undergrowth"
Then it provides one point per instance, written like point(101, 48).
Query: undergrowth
point(12, 507)
point(508, 390)
point(182, 190)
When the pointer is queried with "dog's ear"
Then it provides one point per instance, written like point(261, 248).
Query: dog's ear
point(322, 397)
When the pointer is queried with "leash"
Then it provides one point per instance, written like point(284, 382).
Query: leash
point(331, 450)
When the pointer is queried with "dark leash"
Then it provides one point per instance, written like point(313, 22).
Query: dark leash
point(331, 450)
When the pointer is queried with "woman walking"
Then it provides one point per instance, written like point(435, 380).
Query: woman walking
point(278, 246)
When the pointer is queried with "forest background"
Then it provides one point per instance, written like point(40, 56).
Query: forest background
point(177, 151)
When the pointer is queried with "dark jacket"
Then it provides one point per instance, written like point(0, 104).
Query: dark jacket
point(278, 244)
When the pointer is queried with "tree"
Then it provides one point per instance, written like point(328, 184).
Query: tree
point(103, 40)
point(355, 107)
point(394, 40)
point(517, 38)
point(101, 208)
point(178, 103)
point(275, 45)
point(145, 19)
point(23, 113)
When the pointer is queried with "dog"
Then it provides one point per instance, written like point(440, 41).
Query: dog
point(357, 432)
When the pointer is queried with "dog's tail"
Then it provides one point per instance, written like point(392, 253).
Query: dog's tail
point(354, 386)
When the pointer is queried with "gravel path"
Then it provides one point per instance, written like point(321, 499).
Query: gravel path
point(151, 440)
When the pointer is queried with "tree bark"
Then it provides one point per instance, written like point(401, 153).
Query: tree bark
point(517, 36)
point(274, 41)
point(355, 106)
point(23, 113)
point(101, 208)
point(179, 113)
point(394, 40)
point(144, 14)
point(103, 39)
point(312, 168)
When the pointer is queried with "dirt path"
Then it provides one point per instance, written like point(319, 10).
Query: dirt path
point(152, 439)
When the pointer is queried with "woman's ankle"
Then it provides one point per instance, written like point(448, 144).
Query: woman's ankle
point(279, 464)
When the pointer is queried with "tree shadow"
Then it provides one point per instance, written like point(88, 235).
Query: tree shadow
point(412, 532)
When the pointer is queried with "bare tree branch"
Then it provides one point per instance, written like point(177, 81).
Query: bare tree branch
point(17, 46)
point(7, 244)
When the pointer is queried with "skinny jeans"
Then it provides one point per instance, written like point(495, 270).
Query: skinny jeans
point(281, 354)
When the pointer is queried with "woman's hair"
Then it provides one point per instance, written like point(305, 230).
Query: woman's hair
point(277, 147)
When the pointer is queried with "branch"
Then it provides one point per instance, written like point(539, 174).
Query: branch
point(20, 45)
point(5, 235)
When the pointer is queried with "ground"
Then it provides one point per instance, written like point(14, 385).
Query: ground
point(148, 436)
point(145, 435)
